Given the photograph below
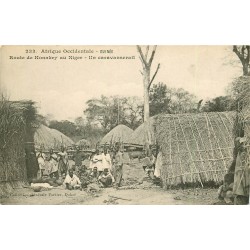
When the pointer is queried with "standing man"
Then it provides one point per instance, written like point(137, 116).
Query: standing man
point(63, 162)
point(242, 173)
point(97, 160)
point(77, 157)
point(118, 166)
point(41, 162)
point(106, 159)
point(53, 164)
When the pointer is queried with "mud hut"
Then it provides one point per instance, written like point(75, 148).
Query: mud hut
point(50, 138)
point(17, 152)
point(120, 133)
point(196, 148)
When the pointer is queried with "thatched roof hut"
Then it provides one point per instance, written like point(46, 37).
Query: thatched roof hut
point(137, 138)
point(195, 147)
point(120, 133)
point(50, 138)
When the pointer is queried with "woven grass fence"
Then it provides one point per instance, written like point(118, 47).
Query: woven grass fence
point(196, 148)
point(14, 117)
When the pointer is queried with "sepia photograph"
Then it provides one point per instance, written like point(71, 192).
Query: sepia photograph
point(124, 125)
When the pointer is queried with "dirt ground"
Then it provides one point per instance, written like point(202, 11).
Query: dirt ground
point(131, 193)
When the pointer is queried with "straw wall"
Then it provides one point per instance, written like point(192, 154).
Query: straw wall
point(195, 147)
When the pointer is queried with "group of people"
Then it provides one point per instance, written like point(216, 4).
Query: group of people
point(52, 164)
point(105, 168)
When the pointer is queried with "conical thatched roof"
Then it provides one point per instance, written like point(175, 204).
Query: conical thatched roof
point(120, 133)
point(50, 138)
point(195, 147)
point(137, 137)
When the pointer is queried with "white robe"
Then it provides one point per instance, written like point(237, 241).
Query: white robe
point(97, 162)
point(158, 165)
point(106, 161)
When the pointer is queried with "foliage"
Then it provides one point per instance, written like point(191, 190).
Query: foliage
point(66, 127)
point(170, 100)
point(219, 104)
point(111, 111)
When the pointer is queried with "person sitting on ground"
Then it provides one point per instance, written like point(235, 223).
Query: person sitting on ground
point(84, 177)
point(106, 179)
point(72, 181)
point(225, 191)
point(93, 176)
point(148, 164)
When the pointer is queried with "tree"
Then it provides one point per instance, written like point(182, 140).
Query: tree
point(243, 53)
point(237, 89)
point(133, 112)
point(159, 99)
point(66, 127)
point(170, 100)
point(147, 81)
point(112, 111)
point(219, 104)
point(182, 101)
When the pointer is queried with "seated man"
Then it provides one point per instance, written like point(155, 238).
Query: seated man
point(84, 176)
point(106, 178)
point(148, 164)
point(93, 176)
point(225, 191)
point(72, 181)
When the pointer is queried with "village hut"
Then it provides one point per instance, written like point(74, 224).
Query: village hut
point(17, 153)
point(120, 133)
point(137, 138)
point(47, 138)
point(196, 148)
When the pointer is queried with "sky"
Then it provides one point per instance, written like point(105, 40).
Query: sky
point(62, 87)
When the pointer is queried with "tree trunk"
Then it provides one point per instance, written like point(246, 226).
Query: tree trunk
point(245, 69)
point(146, 64)
point(147, 135)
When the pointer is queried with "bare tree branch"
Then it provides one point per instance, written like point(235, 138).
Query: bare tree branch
point(146, 54)
point(158, 67)
point(152, 56)
point(248, 53)
point(141, 56)
point(243, 51)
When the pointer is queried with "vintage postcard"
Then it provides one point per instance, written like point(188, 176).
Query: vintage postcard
point(125, 125)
